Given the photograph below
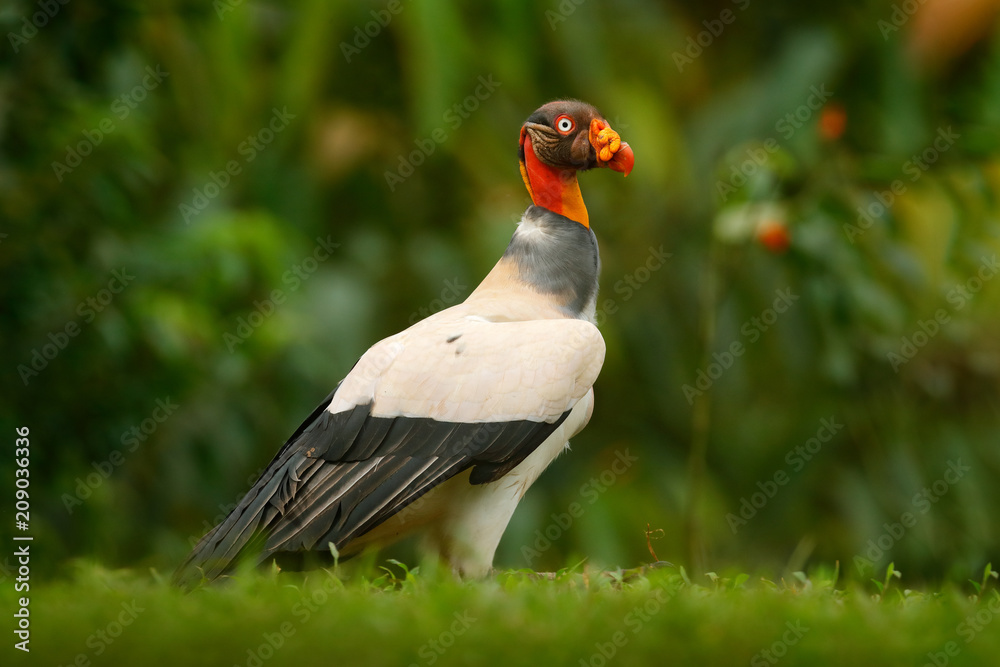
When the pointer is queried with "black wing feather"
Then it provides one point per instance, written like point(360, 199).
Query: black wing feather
point(340, 475)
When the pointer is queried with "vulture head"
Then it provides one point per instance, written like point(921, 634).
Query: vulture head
point(560, 139)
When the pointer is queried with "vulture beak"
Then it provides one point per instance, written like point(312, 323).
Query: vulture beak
point(612, 152)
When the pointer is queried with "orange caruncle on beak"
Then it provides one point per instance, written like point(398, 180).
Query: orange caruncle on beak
point(556, 188)
point(612, 152)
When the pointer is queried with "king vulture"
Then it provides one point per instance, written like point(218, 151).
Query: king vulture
point(441, 428)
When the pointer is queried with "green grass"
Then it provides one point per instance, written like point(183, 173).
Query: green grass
point(581, 617)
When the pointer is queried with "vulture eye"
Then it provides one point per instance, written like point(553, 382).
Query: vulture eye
point(565, 124)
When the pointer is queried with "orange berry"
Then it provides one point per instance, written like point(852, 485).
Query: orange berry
point(832, 121)
point(773, 235)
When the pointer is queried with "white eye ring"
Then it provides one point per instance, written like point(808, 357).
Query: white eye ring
point(564, 124)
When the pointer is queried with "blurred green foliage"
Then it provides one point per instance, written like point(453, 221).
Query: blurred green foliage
point(216, 152)
point(401, 616)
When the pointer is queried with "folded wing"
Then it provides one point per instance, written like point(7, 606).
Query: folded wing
point(451, 393)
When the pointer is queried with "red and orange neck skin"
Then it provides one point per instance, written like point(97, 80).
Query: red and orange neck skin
point(550, 187)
